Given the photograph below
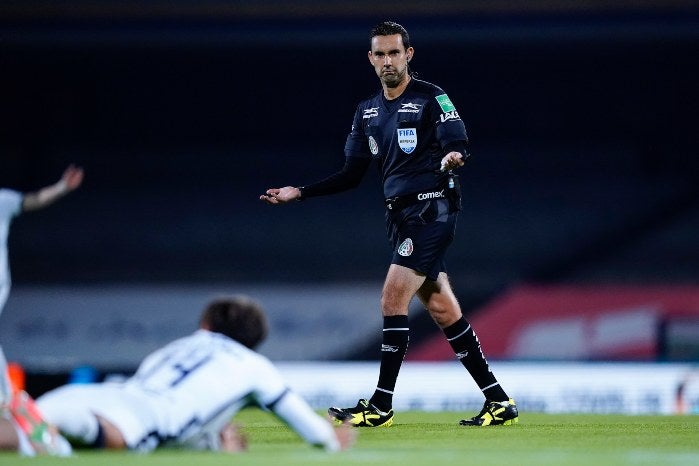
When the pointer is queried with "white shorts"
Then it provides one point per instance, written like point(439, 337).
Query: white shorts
point(72, 408)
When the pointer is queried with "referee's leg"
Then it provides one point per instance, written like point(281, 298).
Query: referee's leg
point(440, 301)
point(399, 288)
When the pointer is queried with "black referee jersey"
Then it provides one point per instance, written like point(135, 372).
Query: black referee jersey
point(408, 136)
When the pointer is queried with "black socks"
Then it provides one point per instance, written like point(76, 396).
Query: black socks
point(393, 349)
point(465, 344)
point(463, 341)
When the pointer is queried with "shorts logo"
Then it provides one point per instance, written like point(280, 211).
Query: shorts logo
point(406, 247)
point(407, 139)
point(373, 147)
point(389, 348)
point(445, 103)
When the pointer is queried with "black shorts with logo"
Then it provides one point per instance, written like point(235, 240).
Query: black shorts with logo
point(420, 235)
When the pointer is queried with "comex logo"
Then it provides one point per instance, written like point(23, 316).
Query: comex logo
point(430, 195)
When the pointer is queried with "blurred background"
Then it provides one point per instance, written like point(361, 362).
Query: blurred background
point(581, 199)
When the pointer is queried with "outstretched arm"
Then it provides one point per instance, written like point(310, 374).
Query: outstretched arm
point(70, 181)
point(298, 415)
point(347, 178)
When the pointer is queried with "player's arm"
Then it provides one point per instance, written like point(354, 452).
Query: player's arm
point(347, 178)
point(70, 181)
point(297, 414)
point(450, 131)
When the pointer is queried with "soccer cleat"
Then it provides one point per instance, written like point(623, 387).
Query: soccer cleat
point(362, 415)
point(44, 438)
point(494, 413)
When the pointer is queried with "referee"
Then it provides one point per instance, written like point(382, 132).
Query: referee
point(413, 131)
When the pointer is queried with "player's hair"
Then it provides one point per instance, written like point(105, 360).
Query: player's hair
point(237, 317)
point(388, 28)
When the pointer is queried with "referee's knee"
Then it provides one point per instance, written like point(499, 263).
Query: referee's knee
point(444, 316)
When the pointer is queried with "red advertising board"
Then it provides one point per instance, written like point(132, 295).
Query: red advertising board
point(538, 322)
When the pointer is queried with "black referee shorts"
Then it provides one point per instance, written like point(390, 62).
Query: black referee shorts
point(420, 235)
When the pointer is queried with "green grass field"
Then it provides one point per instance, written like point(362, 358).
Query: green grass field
point(419, 438)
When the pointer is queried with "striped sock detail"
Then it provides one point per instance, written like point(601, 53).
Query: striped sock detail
point(467, 348)
point(460, 334)
point(490, 386)
point(393, 348)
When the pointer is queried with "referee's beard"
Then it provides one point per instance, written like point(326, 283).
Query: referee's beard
point(394, 80)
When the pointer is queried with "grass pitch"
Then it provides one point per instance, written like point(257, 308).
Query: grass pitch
point(430, 439)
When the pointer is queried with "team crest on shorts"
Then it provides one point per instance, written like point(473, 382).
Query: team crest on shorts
point(407, 139)
point(406, 247)
point(373, 147)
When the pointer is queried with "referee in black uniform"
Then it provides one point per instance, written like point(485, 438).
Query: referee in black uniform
point(414, 132)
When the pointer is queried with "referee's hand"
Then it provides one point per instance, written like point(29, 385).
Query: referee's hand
point(283, 195)
point(452, 160)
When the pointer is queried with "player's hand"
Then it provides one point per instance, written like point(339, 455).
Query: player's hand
point(283, 195)
point(232, 440)
point(346, 435)
point(452, 160)
point(72, 177)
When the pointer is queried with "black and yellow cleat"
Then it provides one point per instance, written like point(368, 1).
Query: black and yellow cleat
point(494, 413)
point(362, 415)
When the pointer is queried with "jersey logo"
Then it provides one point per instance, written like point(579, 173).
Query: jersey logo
point(373, 147)
point(371, 112)
point(407, 139)
point(453, 115)
point(410, 108)
point(445, 103)
point(406, 247)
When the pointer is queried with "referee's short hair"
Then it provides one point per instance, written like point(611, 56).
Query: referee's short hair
point(237, 317)
point(388, 28)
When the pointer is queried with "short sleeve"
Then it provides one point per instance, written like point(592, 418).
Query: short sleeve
point(10, 203)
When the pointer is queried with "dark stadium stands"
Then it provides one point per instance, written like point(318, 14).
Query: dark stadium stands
point(583, 126)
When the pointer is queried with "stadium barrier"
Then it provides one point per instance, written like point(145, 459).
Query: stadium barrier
point(556, 387)
point(51, 330)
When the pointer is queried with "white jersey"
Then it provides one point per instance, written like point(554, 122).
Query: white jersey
point(185, 393)
point(10, 206)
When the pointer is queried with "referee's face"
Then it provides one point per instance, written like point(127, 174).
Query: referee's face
point(390, 59)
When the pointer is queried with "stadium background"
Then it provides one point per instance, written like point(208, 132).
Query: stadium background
point(582, 117)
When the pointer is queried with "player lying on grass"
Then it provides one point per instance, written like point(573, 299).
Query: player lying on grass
point(186, 393)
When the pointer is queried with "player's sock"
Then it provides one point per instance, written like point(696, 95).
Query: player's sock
point(465, 344)
point(393, 348)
